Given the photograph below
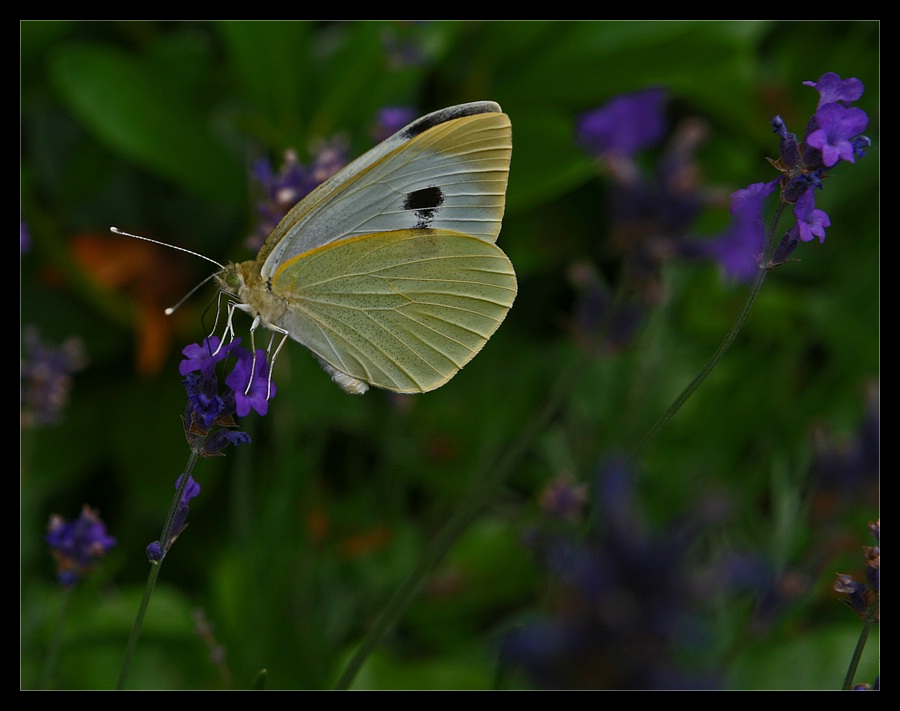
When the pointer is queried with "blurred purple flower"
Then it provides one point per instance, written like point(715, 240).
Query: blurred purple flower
point(76, 545)
point(628, 615)
point(292, 183)
point(46, 377)
point(391, 119)
point(601, 323)
point(24, 237)
point(564, 498)
point(846, 470)
point(624, 125)
point(649, 215)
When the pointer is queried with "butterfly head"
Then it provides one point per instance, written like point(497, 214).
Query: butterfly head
point(230, 279)
point(240, 279)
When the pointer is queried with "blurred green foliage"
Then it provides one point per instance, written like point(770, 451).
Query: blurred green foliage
point(298, 540)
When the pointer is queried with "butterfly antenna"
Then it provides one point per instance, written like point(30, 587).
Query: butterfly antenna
point(117, 231)
point(171, 309)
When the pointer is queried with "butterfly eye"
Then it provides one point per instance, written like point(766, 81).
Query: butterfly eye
point(231, 278)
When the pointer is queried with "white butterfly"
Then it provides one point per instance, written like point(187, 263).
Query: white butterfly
point(388, 271)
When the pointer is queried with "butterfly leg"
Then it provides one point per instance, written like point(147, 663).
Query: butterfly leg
point(228, 333)
point(284, 334)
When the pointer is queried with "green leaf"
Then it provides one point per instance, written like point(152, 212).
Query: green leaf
point(148, 117)
point(273, 65)
point(546, 163)
point(588, 62)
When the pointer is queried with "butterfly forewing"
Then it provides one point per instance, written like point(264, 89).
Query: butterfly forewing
point(437, 173)
point(401, 310)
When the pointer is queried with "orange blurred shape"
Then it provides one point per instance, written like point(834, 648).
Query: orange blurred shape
point(317, 524)
point(144, 273)
point(319, 527)
point(366, 542)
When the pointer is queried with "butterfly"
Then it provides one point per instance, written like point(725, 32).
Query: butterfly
point(388, 271)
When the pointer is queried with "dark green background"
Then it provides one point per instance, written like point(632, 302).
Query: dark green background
point(298, 539)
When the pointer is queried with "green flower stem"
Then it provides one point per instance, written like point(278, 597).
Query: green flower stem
point(53, 653)
point(764, 266)
point(136, 627)
point(165, 540)
point(707, 369)
point(860, 646)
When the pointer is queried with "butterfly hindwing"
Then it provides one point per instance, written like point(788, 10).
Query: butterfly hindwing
point(401, 310)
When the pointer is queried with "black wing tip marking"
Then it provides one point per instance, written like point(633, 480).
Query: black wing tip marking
point(449, 114)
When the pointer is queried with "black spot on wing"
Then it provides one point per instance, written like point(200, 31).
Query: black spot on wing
point(425, 204)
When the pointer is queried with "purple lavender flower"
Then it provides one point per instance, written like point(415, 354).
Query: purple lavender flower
point(651, 219)
point(205, 405)
point(856, 590)
point(832, 134)
point(247, 388)
point(624, 125)
point(864, 598)
point(156, 551)
point(249, 379)
point(740, 247)
point(220, 439)
point(810, 221)
point(191, 491)
point(328, 157)
point(205, 356)
point(76, 545)
point(281, 192)
point(832, 88)
point(836, 127)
